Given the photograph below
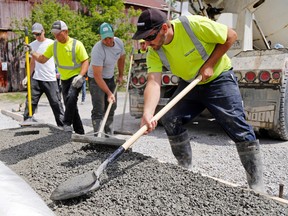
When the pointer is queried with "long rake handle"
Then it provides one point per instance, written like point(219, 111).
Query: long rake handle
point(29, 96)
point(163, 111)
point(127, 88)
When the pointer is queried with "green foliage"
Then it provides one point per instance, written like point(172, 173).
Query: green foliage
point(49, 11)
point(83, 25)
point(112, 11)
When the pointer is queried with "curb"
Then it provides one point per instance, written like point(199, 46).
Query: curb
point(16, 116)
point(278, 199)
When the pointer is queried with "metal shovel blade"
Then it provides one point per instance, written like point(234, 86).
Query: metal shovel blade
point(76, 186)
point(123, 132)
point(84, 183)
point(97, 140)
point(28, 122)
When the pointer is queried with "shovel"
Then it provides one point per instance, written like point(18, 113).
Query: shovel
point(101, 129)
point(89, 181)
point(99, 139)
point(121, 130)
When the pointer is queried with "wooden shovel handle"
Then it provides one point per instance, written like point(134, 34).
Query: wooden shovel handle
point(106, 114)
point(163, 111)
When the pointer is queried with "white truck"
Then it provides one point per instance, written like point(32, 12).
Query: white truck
point(137, 85)
point(262, 70)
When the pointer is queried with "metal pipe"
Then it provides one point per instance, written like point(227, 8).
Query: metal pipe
point(202, 8)
point(261, 32)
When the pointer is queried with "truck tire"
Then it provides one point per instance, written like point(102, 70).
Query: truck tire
point(282, 129)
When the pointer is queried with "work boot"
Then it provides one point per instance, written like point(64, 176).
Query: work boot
point(109, 127)
point(249, 153)
point(96, 126)
point(67, 128)
point(181, 148)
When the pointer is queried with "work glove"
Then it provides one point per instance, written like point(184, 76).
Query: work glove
point(78, 81)
point(27, 48)
point(24, 82)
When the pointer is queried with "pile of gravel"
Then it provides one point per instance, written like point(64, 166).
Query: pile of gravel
point(133, 185)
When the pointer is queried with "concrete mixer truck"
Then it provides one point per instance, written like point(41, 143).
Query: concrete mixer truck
point(259, 59)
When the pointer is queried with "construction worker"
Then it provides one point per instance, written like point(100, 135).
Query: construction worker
point(71, 60)
point(143, 46)
point(189, 46)
point(43, 78)
point(105, 54)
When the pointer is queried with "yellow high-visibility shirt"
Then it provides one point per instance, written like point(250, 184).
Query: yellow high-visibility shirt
point(64, 54)
point(185, 61)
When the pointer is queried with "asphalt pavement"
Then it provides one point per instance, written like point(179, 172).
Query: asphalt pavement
point(11, 114)
point(214, 154)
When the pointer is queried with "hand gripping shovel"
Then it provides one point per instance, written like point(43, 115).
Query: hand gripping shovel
point(89, 181)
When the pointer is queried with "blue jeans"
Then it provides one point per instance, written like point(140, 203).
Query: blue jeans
point(100, 102)
point(51, 90)
point(71, 114)
point(222, 98)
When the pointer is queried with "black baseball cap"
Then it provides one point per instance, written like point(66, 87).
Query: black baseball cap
point(148, 20)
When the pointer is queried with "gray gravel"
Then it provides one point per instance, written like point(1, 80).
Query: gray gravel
point(134, 185)
point(214, 154)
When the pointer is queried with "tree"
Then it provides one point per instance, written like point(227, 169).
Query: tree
point(112, 12)
point(83, 25)
point(49, 11)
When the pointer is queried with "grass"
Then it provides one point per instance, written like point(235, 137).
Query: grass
point(17, 97)
point(20, 97)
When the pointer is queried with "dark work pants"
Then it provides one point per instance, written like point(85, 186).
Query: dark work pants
point(71, 114)
point(99, 100)
point(222, 98)
point(51, 90)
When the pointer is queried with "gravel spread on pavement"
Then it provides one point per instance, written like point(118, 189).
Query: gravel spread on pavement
point(135, 184)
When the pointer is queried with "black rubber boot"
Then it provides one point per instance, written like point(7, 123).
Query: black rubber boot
point(109, 126)
point(96, 126)
point(249, 153)
point(181, 148)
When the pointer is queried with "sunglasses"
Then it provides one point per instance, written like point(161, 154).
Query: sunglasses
point(153, 36)
point(37, 34)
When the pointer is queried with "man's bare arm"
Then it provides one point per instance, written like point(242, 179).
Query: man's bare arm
point(39, 57)
point(151, 99)
point(121, 65)
point(84, 67)
point(220, 49)
point(97, 72)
